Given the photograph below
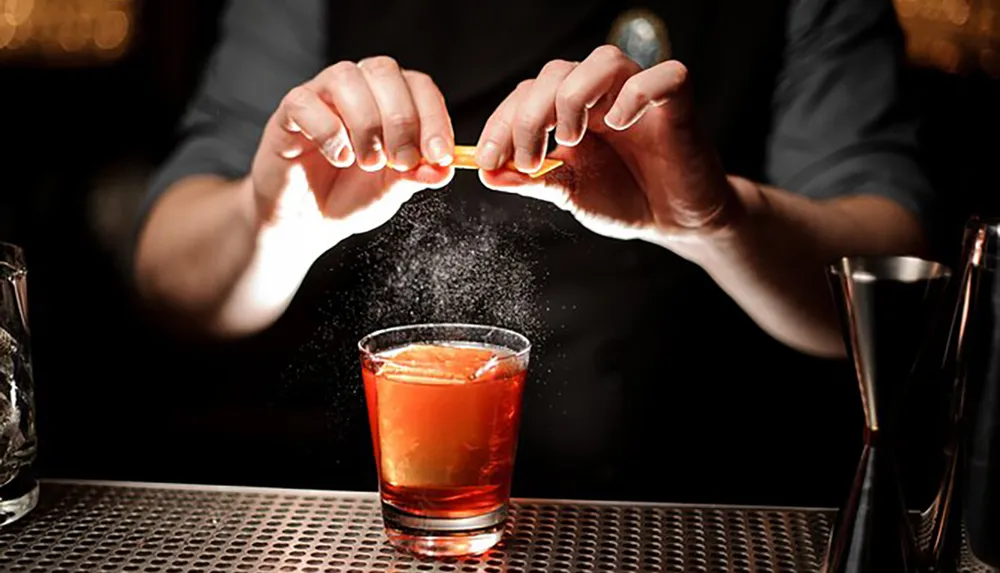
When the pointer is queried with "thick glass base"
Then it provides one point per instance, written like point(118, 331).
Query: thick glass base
point(443, 537)
point(18, 498)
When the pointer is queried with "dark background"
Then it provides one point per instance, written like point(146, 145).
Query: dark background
point(116, 398)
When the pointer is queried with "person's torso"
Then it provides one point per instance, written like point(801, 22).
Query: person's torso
point(640, 362)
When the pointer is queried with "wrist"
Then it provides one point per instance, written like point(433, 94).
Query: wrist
point(295, 237)
point(275, 244)
point(251, 208)
point(731, 229)
point(749, 211)
point(282, 253)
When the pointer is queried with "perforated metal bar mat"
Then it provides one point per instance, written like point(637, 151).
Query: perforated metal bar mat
point(180, 529)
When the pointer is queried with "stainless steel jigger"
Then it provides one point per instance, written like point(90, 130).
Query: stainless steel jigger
point(886, 305)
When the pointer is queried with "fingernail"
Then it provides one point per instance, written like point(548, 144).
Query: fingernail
point(438, 150)
point(614, 117)
point(331, 148)
point(345, 157)
point(375, 159)
point(406, 158)
point(488, 157)
point(523, 161)
point(563, 136)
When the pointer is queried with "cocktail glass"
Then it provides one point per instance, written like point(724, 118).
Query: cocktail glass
point(444, 405)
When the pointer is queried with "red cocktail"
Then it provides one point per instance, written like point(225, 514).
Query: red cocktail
point(444, 404)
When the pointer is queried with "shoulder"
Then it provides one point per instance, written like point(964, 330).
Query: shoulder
point(811, 21)
point(286, 24)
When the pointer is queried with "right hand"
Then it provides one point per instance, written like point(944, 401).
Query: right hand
point(346, 149)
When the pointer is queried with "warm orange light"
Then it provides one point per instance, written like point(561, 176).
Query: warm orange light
point(952, 35)
point(6, 33)
point(17, 12)
point(73, 36)
point(111, 30)
point(65, 28)
point(22, 35)
point(989, 59)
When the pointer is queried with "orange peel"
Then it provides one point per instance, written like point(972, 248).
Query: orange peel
point(465, 158)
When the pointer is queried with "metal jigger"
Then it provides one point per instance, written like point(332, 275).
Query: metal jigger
point(886, 305)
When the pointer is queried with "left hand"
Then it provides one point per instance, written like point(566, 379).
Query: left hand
point(635, 165)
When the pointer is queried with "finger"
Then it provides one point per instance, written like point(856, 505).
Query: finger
point(429, 175)
point(303, 112)
point(652, 87)
point(563, 177)
point(506, 180)
point(496, 141)
point(345, 87)
point(437, 139)
point(550, 188)
point(400, 123)
point(597, 76)
point(536, 114)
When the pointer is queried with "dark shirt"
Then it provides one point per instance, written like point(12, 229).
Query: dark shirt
point(647, 381)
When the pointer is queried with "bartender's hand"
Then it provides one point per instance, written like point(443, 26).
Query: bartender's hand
point(338, 157)
point(343, 151)
point(635, 164)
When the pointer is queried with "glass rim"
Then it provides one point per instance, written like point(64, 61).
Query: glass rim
point(515, 354)
point(16, 248)
point(12, 255)
point(882, 267)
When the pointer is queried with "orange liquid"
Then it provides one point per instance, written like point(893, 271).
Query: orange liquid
point(444, 437)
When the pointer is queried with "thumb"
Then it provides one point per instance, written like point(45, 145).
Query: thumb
point(427, 175)
point(507, 180)
point(556, 186)
point(561, 174)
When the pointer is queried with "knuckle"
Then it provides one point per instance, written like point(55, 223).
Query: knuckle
point(368, 127)
point(298, 98)
point(527, 122)
point(525, 85)
point(498, 127)
point(419, 78)
point(608, 52)
point(403, 123)
point(681, 72)
point(340, 69)
point(569, 99)
point(379, 65)
point(556, 66)
point(335, 74)
point(634, 94)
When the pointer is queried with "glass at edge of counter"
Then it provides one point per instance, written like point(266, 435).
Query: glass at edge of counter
point(18, 485)
point(444, 407)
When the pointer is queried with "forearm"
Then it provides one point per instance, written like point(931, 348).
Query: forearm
point(205, 259)
point(772, 260)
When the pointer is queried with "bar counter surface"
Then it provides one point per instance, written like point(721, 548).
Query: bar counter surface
point(164, 528)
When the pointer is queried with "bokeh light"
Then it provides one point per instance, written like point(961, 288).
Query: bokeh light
point(955, 36)
point(952, 35)
point(112, 30)
point(70, 31)
point(17, 12)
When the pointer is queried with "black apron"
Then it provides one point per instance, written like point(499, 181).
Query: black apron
point(646, 381)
